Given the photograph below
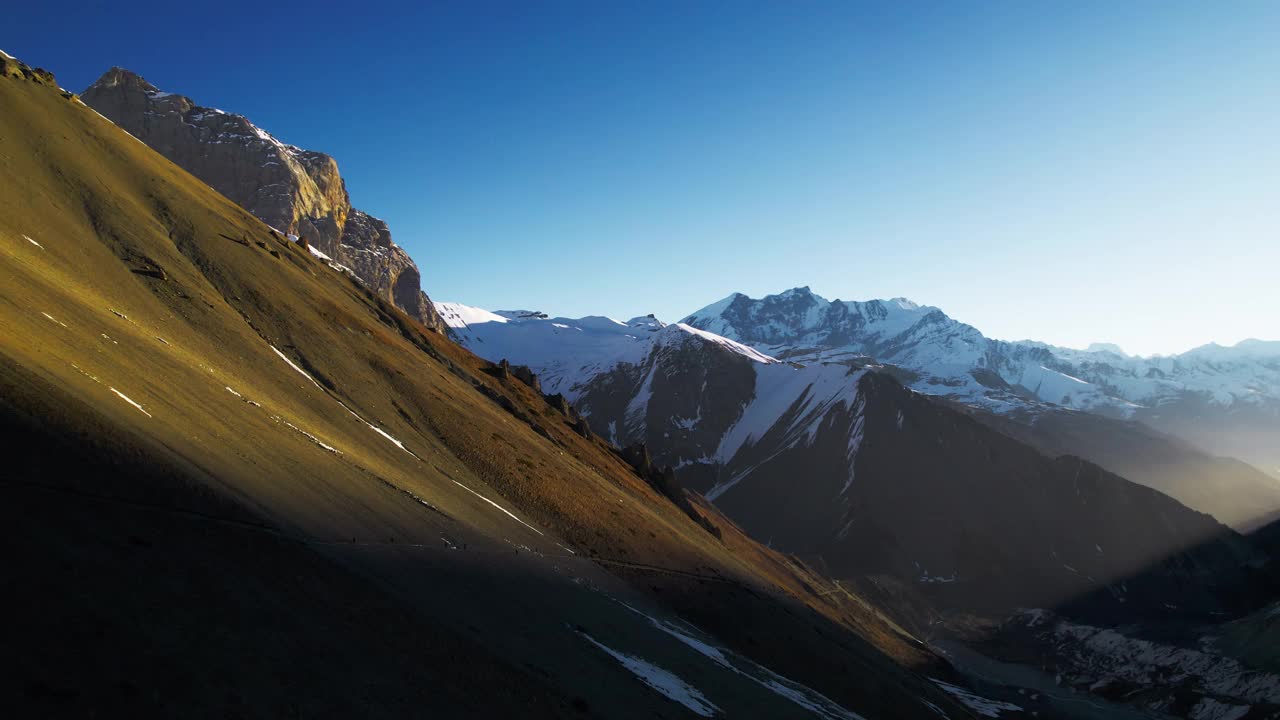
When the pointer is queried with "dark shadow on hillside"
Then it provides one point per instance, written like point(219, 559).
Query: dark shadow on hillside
point(142, 587)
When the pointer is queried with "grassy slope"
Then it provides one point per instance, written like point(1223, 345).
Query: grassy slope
point(229, 498)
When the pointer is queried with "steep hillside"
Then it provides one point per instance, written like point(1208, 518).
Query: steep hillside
point(241, 483)
point(297, 191)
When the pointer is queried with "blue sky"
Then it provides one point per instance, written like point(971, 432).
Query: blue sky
point(1070, 172)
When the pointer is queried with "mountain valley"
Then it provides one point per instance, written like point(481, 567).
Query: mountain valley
point(255, 471)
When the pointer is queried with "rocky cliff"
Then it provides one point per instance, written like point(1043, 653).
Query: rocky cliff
point(299, 192)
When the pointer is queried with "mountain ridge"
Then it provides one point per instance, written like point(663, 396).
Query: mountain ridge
point(572, 359)
point(235, 469)
point(1238, 386)
point(300, 192)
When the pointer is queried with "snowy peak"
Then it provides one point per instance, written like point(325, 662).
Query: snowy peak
point(1243, 350)
point(799, 318)
point(457, 315)
point(1240, 385)
point(566, 352)
point(680, 333)
point(118, 76)
point(1112, 348)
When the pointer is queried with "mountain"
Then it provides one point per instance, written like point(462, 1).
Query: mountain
point(841, 465)
point(239, 482)
point(1225, 401)
point(1232, 491)
point(298, 191)
point(950, 518)
point(956, 360)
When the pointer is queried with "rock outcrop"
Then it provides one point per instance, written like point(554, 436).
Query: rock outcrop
point(299, 192)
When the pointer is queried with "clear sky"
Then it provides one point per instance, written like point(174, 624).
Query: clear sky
point(1070, 172)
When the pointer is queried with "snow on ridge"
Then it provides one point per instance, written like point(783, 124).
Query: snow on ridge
point(801, 326)
point(732, 345)
point(818, 388)
point(813, 391)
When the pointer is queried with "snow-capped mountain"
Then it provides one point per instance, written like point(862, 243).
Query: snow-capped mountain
point(566, 352)
point(837, 462)
point(1225, 399)
point(645, 381)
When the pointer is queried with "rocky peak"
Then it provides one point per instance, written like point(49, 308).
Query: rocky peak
point(120, 77)
point(299, 192)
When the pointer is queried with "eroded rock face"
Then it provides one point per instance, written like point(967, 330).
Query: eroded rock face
point(297, 191)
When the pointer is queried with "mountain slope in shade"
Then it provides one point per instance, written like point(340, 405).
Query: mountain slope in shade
point(859, 476)
point(298, 191)
point(242, 483)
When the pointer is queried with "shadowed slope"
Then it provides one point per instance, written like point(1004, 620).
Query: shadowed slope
point(237, 471)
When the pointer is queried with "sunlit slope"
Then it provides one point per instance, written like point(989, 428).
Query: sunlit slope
point(189, 395)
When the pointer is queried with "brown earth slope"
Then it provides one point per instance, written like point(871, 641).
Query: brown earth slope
point(240, 483)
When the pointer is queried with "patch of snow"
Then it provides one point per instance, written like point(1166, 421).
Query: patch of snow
point(384, 434)
point(457, 315)
point(299, 370)
point(131, 402)
point(52, 318)
point(508, 512)
point(807, 394)
point(801, 695)
point(310, 437)
point(88, 375)
point(737, 347)
point(33, 242)
point(855, 437)
point(665, 683)
point(985, 707)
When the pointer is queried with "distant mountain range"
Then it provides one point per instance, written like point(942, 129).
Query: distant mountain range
point(1139, 417)
point(832, 459)
point(1223, 399)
